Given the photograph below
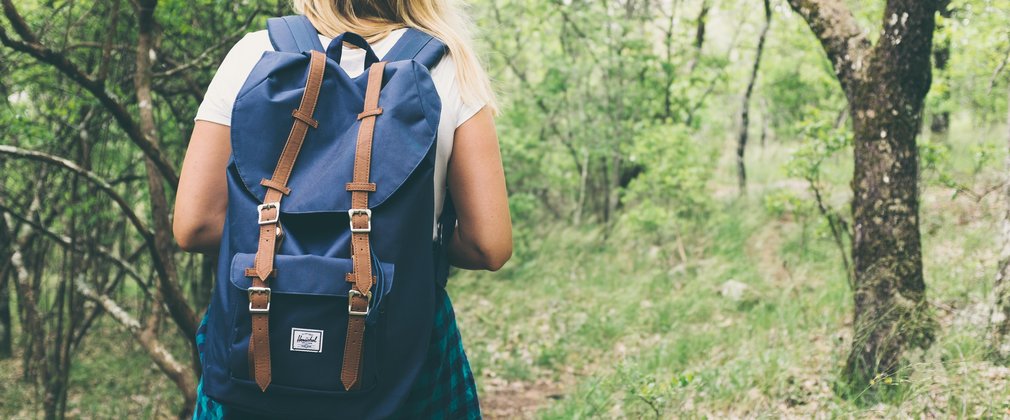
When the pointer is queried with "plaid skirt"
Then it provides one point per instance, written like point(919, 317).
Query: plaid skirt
point(445, 388)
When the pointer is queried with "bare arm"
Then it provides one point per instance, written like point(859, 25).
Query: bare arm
point(483, 237)
point(202, 199)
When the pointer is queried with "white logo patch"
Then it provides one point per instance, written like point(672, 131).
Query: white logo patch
point(306, 340)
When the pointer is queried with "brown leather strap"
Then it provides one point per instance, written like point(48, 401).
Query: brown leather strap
point(274, 185)
point(361, 222)
point(269, 221)
point(305, 118)
point(369, 113)
point(250, 272)
point(360, 186)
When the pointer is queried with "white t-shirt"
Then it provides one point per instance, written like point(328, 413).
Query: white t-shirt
point(220, 97)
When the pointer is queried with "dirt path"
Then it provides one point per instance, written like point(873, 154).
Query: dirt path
point(504, 399)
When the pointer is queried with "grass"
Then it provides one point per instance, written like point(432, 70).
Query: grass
point(586, 323)
point(625, 335)
point(111, 377)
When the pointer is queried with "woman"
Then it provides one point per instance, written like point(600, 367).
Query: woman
point(468, 162)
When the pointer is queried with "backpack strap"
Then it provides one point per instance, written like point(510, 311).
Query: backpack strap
point(293, 34)
point(269, 223)
point(418, 46)
point(359, 297)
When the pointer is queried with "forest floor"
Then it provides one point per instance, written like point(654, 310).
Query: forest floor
point(754, 322)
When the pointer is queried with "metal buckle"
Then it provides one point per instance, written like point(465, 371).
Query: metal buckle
point(252, 290)
point(350, 220)
point(350, 294)
point(265, 206)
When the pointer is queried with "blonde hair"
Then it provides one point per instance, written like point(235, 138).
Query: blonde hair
point(375, 19)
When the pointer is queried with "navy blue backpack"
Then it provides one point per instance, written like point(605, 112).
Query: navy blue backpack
point(327, 275)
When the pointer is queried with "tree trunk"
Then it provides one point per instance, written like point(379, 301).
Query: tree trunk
point(699, 35)
point(6, 269)
point(6, 333)
point(886, 86)
point(169, 287)
point(1001, 318)
point(891, 313)
point(741, 144)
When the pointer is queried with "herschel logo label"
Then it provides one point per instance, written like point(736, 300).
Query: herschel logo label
point(306, 340)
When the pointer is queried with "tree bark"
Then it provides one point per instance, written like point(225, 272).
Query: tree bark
point(886, 86)
point(741, 144)
point(890, 299)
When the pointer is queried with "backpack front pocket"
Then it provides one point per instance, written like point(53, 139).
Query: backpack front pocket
point(307, 323)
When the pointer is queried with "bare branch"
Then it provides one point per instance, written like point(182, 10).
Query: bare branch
point(179, 373)
point(30, 45)
point(124, 205)
point(67, 243)
point(174, 299)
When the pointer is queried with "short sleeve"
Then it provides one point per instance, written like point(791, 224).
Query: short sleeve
point(454, 107)
point(231, 75)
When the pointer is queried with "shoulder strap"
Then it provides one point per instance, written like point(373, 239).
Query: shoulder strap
point(418, 46)
point(293, 34)
point(269, 223)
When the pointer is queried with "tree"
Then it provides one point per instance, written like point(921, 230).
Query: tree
point(90, 168)
point(885, 84)
point(741, 144)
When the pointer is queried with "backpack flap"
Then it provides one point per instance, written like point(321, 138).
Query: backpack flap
point(404, 133)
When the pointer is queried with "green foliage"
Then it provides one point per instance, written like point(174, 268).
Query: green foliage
point(579, 105)
point(822, 140)
point(672, 190)
point(797, 80)
point(980, 44)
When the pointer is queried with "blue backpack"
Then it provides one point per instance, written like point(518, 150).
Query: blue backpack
point(327, 274)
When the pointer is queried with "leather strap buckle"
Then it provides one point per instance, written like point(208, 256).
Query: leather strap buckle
point(350, 220)
point(258, 290)
point(267, 206)
point(350, 295)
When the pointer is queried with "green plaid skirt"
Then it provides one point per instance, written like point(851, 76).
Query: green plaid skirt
point(445, 389)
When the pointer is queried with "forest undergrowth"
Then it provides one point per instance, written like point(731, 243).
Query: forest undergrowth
point(748, 317)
